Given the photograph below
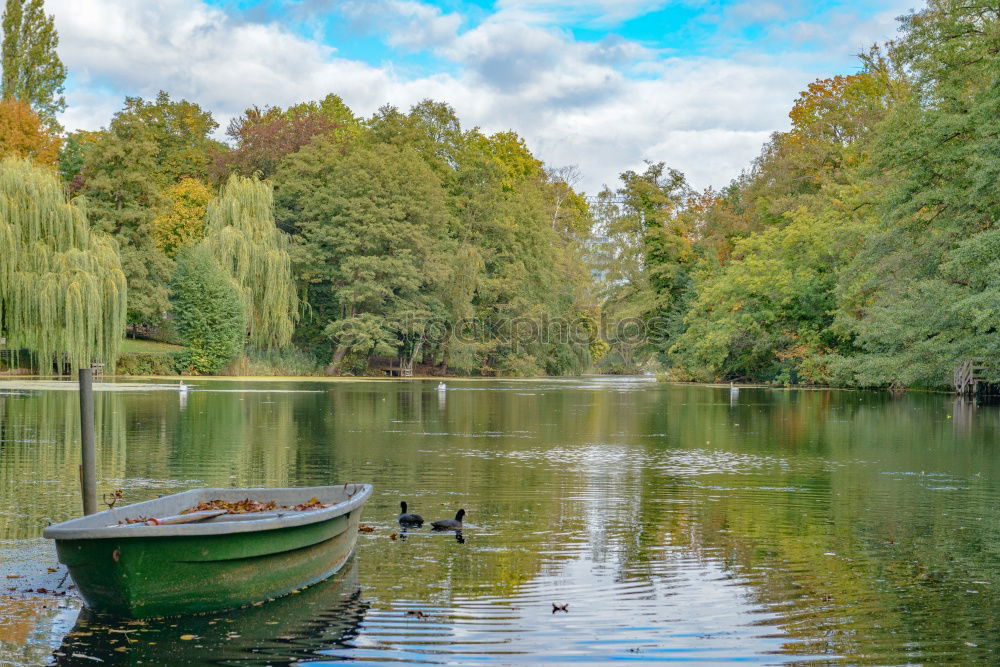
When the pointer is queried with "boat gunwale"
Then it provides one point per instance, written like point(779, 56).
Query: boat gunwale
point(89, 527)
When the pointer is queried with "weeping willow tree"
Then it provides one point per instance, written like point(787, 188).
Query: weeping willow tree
point(62, 289)
point(240, 230)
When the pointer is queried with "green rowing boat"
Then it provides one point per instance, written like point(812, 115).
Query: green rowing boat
point(295, 627)
point(177, 566)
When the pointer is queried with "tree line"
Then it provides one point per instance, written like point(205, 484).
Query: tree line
point(861, 248)
point(402, 238)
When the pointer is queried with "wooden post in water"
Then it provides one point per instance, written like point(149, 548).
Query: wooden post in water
point(88, 463)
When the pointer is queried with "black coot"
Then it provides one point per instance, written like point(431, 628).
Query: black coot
point(407, 519)
point(450, 524)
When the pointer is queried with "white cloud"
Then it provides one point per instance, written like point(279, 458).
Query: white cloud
point(593, 13)
point(759, 11)
point(707, 118)
point(194, 51)
point(410, 25)
point(573, 102)
point(840, 33)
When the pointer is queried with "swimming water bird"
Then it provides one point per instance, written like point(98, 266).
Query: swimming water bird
point(408, 519)
point(182, 386)
point(442, 386)
point(450, 524)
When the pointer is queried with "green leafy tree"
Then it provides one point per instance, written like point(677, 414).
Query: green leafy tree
point(768, 313)
point(71, 157)
point(31, 69)
point(62, 290)
point(774, 250)
point(208, 311)
point(180, 131)
point(431, 129)
point(921, 296)
point(645, 260)
point(532, 284)
point(373, 223)
point(147, 148)
point(122, 200)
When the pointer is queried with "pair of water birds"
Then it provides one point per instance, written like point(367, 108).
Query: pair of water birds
point(410, 519)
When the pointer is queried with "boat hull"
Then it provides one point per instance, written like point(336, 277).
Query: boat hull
point(148, 575)
point(279, 632)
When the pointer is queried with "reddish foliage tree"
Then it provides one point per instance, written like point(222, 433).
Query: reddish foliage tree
point(262, 138)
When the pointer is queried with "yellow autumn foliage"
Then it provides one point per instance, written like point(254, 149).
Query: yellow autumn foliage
point(182, 221)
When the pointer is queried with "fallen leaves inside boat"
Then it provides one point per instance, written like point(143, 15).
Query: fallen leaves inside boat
point(247, 506)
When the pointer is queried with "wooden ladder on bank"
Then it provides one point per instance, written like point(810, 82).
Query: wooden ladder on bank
point(967, 376)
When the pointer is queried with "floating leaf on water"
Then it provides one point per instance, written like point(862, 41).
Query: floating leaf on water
point(187, 638)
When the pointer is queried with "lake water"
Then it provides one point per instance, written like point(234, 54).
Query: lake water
point(679, 523)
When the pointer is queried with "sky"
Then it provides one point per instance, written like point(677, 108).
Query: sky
point(601, 84)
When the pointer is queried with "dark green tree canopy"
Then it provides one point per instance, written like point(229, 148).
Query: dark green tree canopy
point(208, 310)
point(374, 224)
